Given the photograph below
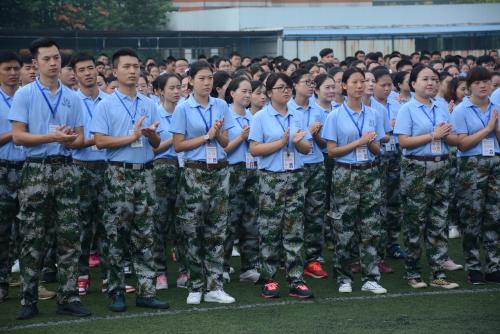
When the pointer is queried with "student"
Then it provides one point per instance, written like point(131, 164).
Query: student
point(422, 126)
point(339, 98)
point(243, 185)
point(353, 133)
point(223, 65)
point(181, 66)
point(259, 97)
point(287, 67)
point(28, 70)
point(200, 129)
point(221, 81)
point(475, 122)
point(326, 55)
point(402, 84)
point(125, 124)
point(457, 91)
point(111, 84)
point(278, 138)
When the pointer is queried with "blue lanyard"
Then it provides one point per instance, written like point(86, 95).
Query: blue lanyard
point(388, 111)
point(53, 110)
point(169, 119)
point(479, 116)
point(360, 129)
point(279, 122)
point(433, 120)
point(308, 116)
point(207, 126)
point(239, 122)
point(5, 99)
point(132, 117)
point(88, 108)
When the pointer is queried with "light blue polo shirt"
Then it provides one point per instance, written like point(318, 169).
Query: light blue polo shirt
point(268, 125)
point(165, 134)
point(469, 119)
point(311, 115)
point(193, 120)
point(88, 107)
point(415, 119)
point(31, 107)
point(8, 151)
point(343, 126)
point(388, 112)
point(239, 153)
point(115, 116)
point(495, 97)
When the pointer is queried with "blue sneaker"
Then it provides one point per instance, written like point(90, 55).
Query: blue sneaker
point(396, 252)
point(118, 303)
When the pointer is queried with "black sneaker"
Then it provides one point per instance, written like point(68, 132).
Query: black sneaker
point(475, 277)
point(300, 291)
point(118, 303)
point(151, 302)
point(74, 308)
point(27, 312)
point(49, 277)
point(271, 289)
point(493, 277)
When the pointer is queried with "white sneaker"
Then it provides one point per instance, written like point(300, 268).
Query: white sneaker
point(15, 267)
point(373, 287)
point(345, 287)
point(453, 232)
point(450, 265)
point(218, 296)
point(161, 282)
point(235, 252)
point(225, 277)
point(251, 275)
point(231, 270)
point(194, 298)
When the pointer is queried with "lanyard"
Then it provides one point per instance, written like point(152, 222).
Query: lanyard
point(169, 119)
point(53, 110)
point(5, 99)
point(308, 116)
point(360, 129)
point(479, 116)
point(281, 125)
point(132, 117)
point(207, 127)
point(88, 108)
point(239, 122)
point(433, 120)
point(388, 111)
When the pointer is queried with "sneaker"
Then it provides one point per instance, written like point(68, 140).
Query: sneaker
point(384, 267)
point(373, 287)
point(151, 302)
point(300, 291)
point(231, 270)
point(161, 282)
point(453, 232)
point(251, 275)
point(182, 280)
point(74, 308)
point(417, 283)
point(315, 270)
point(129, 289)
point(450, 265)
point(345, 287)
point(218, 296)
point(118, 303)
point(83, 285)
point(44, 294)
point(443, 283)
point(104, 287)
point(27, 312)
point(396, 252)
point(49, 277)
point(194, 298)
point(271, 289)
point(355, 267)
point(475, 277)
point(235, 252)
point(94, 260)
point(15, 268)
point(225, 277)
point(493, 277)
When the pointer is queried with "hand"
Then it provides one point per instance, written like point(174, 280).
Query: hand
point(150, 130)
point(244, 133)
point(214, 130)
point(451, 105)
point(367, 137)
point(492, 124)
point(298, 136)
point(64, 134)
point(442, 130)
point(314, 128)
point(284, 139)
point(138, 127)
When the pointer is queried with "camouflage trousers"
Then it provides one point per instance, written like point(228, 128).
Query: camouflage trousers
point(425, 209)
point(355, 214)
point(128, 220)
point(49, 199)
point(329, 166)
point(478, 190)
point(281, 223)
point(242, 217)
point(453, 208)
point(390, 205)
point(166, 178)
point(203, 215)
point(93, 192)
point(9, 225)
point(314, 210)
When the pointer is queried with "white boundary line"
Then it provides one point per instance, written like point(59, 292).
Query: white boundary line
point(327, 300)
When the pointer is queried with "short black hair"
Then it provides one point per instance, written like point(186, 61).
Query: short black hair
point(234, 53)
point(65, 60)
point(79, 57)
point(123, 52)
point(26, 59)
point(274, 77)
point(478, 73)
point(416, 71)
point(325, 52)
point(6, 56)
point(484, 59)
point(358, 52)
point(43, 42)
point(403, 62)
point(110, 79)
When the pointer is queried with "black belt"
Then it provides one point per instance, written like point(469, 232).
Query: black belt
point(96, 164)
point(166, 161)
point(436, 158)
point(52, 159)
point(128, 165)
point(12, 164)
point(357, 166)
point(203, 165)
point(284, 171)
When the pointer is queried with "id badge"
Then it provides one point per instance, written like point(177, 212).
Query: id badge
point(362, 153)
point(436, 147)
point(211, 154)
point(53, 127)
point(391, 145)
point(180, 159)
point(288, 161)
point(138, 143)
point(250, 161)
point(488, 147)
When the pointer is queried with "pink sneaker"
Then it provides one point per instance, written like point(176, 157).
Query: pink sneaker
point(94, 260)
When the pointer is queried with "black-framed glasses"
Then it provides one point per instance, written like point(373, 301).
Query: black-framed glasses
point(282, 88)
point(309, 83)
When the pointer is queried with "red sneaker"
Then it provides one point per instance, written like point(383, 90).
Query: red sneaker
point(271, 289)
point(315, 270)
point(83, 286)
point(94, 260)
point(384, 267)
point(355, 267)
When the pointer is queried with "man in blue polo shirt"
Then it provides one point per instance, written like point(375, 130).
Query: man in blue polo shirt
point(46, 119)
point(125, 124)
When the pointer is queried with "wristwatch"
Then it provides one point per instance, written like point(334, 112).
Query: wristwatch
point(206, 137)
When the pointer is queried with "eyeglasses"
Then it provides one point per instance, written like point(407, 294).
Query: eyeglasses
point(282, 88)
point(309, 83)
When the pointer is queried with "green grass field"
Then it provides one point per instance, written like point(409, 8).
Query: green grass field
point(403, 310)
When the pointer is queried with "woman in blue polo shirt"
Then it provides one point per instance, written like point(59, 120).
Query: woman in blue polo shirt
point(353, 132)
point(200, 129)
point(423, 129)
point(278, 138)
point(475, 122)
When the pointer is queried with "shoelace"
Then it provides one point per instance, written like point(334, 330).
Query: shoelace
point(302, 287)
point(271, 286)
